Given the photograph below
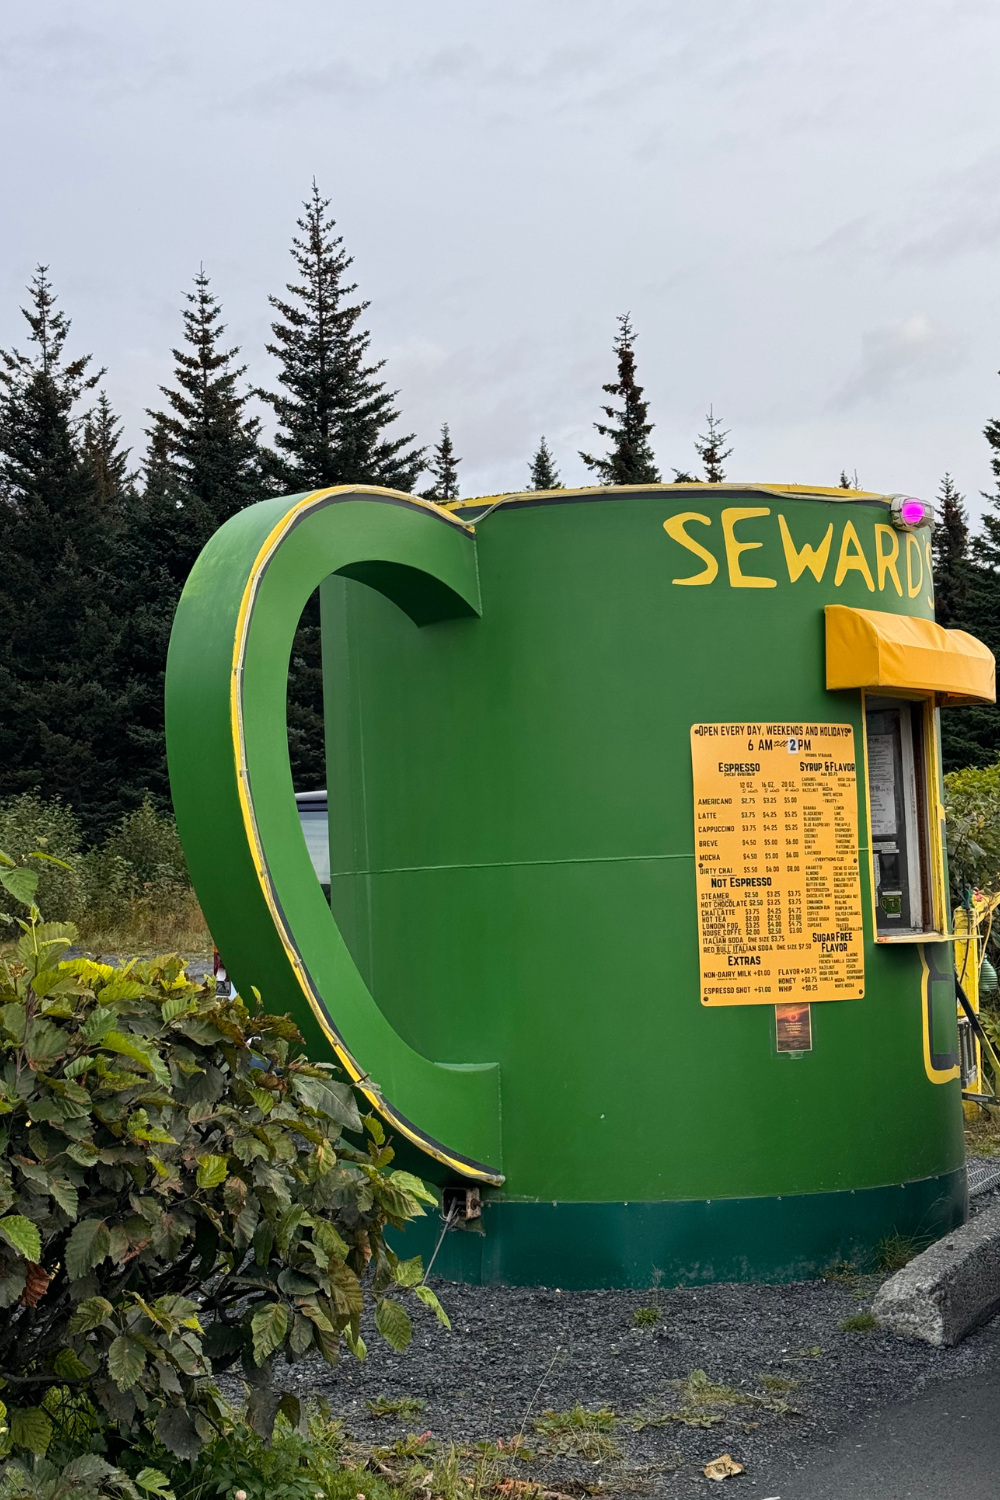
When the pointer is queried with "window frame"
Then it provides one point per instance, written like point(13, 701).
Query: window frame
point(933, 814)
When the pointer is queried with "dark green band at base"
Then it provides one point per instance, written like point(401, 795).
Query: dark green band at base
point(583, 1246)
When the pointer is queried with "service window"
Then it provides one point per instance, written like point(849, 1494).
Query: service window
point(904, 850)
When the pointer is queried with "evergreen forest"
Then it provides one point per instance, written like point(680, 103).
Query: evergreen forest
point(97, 540)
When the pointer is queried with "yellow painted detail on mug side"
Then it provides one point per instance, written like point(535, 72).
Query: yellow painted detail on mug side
point(936, 1075)
point(344, 1057)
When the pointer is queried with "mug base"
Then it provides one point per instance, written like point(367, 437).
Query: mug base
point(592, 1246)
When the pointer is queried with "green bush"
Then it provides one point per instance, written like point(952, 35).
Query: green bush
point(300, 1461)
point(29, 822)
point(132, 885)
point(972, 805)
point(177, 1197)
point(148, 844)
point(141, 860)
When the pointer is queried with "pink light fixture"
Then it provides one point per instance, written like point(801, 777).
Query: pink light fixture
point(908, 513)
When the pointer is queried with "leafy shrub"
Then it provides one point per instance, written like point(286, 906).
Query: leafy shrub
point(85, 1477)
point(131, 891)
point(29, 822)
point(149, 846)
point(177, 1197)
point(142, 860)
point(300, 1461)
point(972, 804)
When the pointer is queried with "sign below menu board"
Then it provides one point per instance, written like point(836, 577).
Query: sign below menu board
point(777, 863)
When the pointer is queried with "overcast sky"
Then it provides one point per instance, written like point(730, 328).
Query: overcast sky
point(798, 202)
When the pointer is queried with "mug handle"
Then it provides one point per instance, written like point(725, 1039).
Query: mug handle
point(230, 776)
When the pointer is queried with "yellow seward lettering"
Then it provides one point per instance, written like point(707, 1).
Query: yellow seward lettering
point(813, 558)
point(855, 561)
point(913, 587)
point(885, 562)
point(674, 527)
point(737, 578)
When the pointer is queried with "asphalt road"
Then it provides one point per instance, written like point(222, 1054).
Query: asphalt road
point(943, 1445)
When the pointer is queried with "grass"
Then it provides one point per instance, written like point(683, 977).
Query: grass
point(579, 1432)
point(576, 1419)
point(982, 1133)
point(777, 1385)
point(845, 1271)
point(862, 1322)
point(688, 1416)
point(697, 1390)
point(395, 1406)
point(701, 1399)
point(145, 927)
point(645, 1317)
point(420, 1467)
point(896, 1251)
point(151, 924)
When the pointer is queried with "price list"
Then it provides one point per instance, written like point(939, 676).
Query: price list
point(776, 860)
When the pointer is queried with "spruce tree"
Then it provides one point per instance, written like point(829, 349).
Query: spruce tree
point(443, 469)
point(709, 448)
point(107, 459)
point(334, 418)
point(334, 412)
point(206, 445)
point(845, 481)
point(962, 591)
point(950, 545)
point(202, 465)
point(967, 597)
point(972, 736)
point(64, 725)
point(987, 543)
point(542, 472)
point(630, 460)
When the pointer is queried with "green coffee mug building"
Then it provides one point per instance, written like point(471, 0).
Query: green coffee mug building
point(514, 966)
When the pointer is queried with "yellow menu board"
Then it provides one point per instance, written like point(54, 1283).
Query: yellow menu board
point(776, 856)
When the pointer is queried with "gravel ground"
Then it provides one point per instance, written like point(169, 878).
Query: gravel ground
point(512, 1353)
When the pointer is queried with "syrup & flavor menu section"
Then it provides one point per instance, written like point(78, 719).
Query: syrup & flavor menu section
point(777, 864)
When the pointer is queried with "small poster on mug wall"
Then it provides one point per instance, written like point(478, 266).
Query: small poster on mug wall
point(793, 1027)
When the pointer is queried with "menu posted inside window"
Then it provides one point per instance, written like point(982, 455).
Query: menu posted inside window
point(777, 863)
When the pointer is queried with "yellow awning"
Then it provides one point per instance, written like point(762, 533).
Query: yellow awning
point(866, 648)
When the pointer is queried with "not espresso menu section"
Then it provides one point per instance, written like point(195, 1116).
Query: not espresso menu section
point(776, 856)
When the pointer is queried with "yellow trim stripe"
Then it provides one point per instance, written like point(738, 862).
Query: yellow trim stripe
point(792, 491)
point(355, 1072)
